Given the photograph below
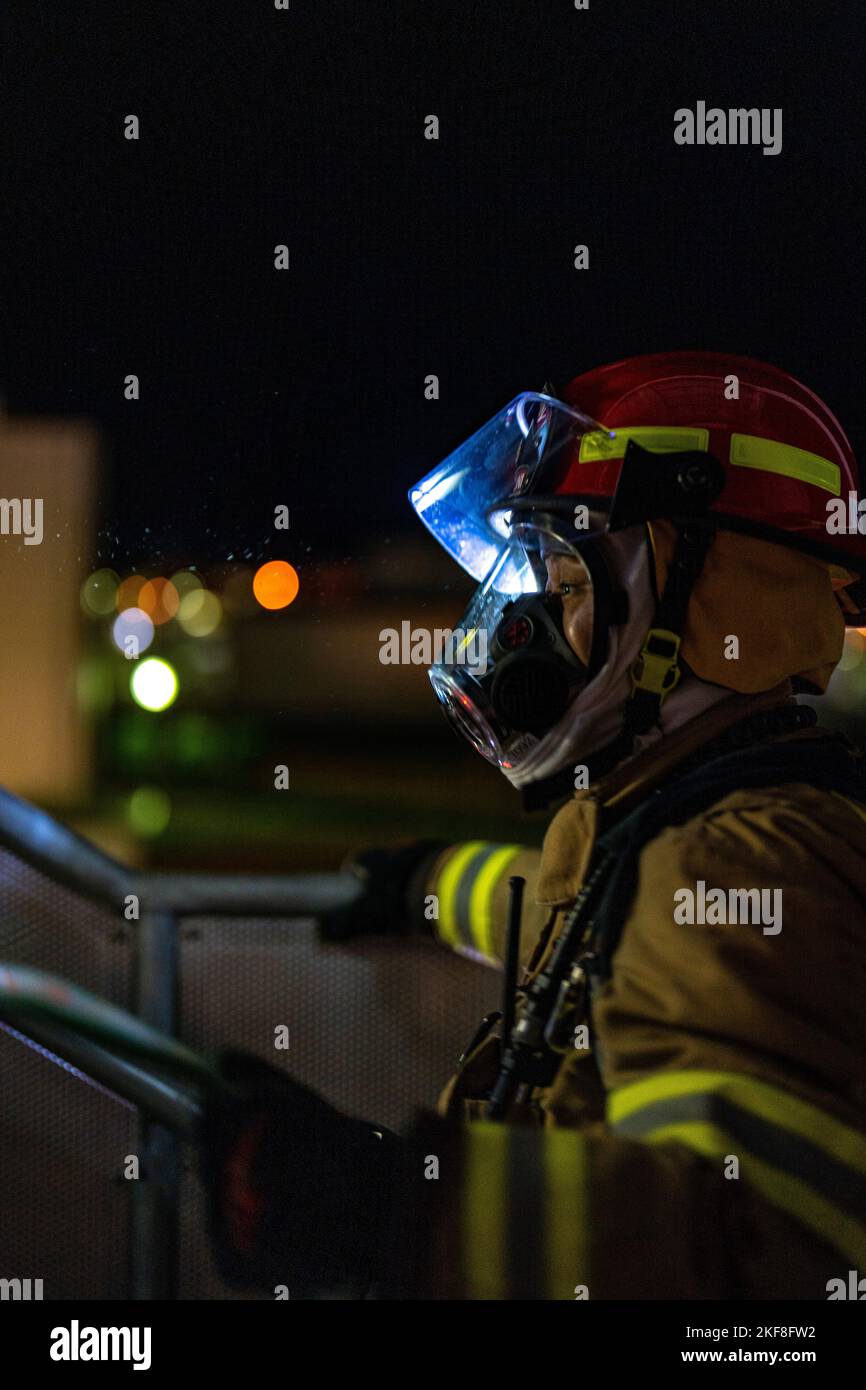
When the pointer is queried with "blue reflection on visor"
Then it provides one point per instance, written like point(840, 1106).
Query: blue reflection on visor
point(456, 499)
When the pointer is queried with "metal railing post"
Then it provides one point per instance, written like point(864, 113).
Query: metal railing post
point(155, 1219)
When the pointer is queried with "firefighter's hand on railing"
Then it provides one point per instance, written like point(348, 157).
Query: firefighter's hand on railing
point(299, 1194)
point(393, 883)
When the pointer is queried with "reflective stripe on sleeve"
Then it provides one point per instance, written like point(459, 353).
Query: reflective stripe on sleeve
point(566, 1217)
point(801, 1159)
point(524, 1213)
point(484, 1229)
point(465, 888)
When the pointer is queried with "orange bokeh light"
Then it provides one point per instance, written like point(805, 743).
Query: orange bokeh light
point(128, 592)
point(276, 584)
point(159, 599)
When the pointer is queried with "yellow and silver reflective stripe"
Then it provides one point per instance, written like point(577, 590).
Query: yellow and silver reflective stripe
point(465, 889)
point(524, 1213)
point(800, 1158)
point(483, 1243)
point(750, 451)
point(566, 1212)
point(665, 439)
point(855, 806)
point(746, 451)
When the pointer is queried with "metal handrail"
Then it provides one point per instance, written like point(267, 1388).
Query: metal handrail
point(68, 858)
point(165, 1112)
point(105, 1044)
point(126, 1082)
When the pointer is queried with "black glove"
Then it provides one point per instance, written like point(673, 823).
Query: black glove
point(302, 1195)
point(393, 881)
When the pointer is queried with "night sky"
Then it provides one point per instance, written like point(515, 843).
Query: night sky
point(408, 256)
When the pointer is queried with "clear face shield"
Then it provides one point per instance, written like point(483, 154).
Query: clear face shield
point(531, 638)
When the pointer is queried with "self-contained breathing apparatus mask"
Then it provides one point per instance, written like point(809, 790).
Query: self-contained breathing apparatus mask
point(528, 672)
point(516, 672)
point(536, 632)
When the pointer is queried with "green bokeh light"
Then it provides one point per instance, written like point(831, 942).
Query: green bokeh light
point(98, 593)
point(149, 811)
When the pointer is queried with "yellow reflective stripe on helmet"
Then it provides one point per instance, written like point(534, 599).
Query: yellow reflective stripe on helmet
point(484, 1249)
point(802, 1159)
point(447, 887)
point(566, 1212)
point(665, 439)
point(481, 898)
point(746, 451)
point(751, 451)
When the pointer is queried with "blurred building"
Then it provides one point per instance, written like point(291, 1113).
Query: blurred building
point(45, 750)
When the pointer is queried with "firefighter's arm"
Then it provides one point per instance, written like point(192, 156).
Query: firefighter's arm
point(305, 1198)
point(732, 1163)
point(562, 1214)
point(465, 898)
point(457, 894)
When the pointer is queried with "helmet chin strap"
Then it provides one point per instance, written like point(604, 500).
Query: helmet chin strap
point(657, 671)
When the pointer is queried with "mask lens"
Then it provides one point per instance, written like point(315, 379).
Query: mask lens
point(531, 629)
point(467, 712)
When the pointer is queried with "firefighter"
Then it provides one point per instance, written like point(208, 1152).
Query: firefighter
point(675, 1104)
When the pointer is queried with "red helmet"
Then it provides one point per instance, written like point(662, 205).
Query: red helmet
point(783, 452)
point(696, 447)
